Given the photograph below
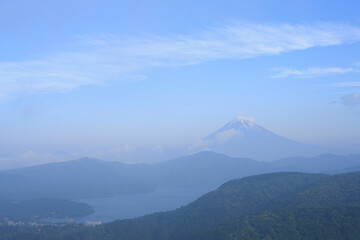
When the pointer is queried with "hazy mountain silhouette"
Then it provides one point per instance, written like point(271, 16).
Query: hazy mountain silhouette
point(93, 178)
point(324, 163)
point(242, 137)
point(73, 179)
point(206, 168)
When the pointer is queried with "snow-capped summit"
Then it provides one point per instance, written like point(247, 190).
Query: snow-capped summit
point(241, 122)
point(237, 127)
point(242, 137)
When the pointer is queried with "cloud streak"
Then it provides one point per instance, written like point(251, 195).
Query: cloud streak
point(313, 72)
point(108, 58)
point(346, 84)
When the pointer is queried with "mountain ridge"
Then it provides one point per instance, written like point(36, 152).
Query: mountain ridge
point(243, 137)
point(95, 178)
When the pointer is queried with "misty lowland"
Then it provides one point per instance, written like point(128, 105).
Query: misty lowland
point(179, 120)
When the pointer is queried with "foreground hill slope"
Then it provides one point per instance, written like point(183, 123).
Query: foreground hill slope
point(328, 209)
point(240, 197)
point(269, 206)
point(278, 205)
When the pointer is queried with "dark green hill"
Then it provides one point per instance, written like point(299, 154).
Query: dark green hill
point(269, 206)
point(235, 198)
point(328, 209)
point(283, 224)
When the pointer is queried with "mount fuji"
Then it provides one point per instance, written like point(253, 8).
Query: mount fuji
point(242, 137)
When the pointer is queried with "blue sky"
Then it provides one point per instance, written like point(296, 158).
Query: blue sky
point(102, 78)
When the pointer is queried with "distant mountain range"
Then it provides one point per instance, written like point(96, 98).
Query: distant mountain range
point(242, 137)
point(93, 178)
point(73, 179)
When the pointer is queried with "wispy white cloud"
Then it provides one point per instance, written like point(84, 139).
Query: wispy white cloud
point(106, 58)
point(313, 72)
point(345, 84)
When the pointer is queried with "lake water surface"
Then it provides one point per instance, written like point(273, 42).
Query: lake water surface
point(124, 206)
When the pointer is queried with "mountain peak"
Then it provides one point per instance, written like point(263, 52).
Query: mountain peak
point(242, 122)
point(242, 137)
point(236, 127)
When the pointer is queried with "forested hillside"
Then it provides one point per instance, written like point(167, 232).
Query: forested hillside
point(270, 206)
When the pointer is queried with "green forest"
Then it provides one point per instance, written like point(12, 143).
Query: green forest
point(269, 206)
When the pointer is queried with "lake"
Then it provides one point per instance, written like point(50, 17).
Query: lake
point(125, 206)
